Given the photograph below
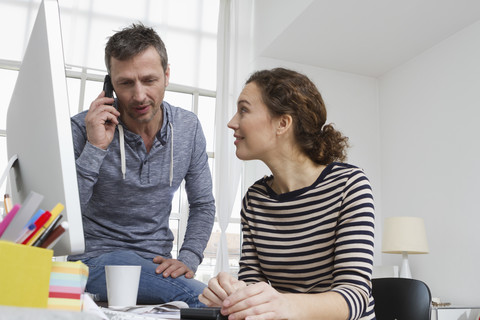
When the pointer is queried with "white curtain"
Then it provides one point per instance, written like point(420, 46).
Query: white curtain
point(227, 166)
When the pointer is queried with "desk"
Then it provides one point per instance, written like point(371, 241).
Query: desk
point(7, 312)
point(456, 313)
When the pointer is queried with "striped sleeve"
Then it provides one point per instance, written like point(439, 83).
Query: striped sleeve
point(354, 245)
point(251, 269)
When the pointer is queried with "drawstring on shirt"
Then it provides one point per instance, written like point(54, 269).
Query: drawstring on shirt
point(121, 137)
point(122, 150)
point(171, 153)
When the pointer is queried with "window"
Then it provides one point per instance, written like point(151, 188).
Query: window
point(7, 82)
point(190, 38)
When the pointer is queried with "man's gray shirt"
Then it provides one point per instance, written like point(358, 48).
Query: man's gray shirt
point(133, 213)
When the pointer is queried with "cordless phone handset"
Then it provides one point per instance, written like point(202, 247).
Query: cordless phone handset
point(108, 87)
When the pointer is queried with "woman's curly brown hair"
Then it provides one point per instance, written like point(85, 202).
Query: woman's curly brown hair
point(289, 92)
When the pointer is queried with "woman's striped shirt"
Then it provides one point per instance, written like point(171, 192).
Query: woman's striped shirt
point(316, 239)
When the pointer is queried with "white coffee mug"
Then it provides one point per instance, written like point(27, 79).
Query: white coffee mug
point(122, 285)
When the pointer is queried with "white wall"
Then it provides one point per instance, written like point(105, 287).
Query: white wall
point(430, 130)
point(273, 19)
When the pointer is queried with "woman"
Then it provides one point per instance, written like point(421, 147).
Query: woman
point(308, 229)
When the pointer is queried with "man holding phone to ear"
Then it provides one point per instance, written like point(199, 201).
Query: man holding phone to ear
point(132, 153)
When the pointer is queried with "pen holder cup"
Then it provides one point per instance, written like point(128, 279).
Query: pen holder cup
point(24, 275)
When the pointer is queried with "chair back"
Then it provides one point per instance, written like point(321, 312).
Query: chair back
point(401, 299)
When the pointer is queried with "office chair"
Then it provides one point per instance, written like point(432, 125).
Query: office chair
point(401, 299)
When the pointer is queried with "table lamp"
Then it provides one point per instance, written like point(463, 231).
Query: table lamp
point(404, 235)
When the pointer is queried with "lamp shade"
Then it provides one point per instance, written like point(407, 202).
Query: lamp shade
point(404, 235)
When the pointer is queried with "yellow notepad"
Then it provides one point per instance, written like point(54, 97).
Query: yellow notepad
point(24, 275)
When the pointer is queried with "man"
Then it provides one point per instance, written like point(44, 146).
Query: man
point(132, 154)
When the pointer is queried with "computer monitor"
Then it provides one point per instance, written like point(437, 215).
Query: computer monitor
point(39, 129)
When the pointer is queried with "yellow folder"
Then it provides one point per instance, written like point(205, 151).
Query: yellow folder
point(24, 275)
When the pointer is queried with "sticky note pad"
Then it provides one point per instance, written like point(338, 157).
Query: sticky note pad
point(24, 275)
point(67, 285)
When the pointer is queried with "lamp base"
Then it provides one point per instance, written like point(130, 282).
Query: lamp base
point(405, 269)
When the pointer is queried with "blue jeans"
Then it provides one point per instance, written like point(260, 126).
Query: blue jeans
point(153, 288)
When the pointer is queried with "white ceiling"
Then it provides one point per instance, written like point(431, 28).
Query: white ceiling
point(368, 37)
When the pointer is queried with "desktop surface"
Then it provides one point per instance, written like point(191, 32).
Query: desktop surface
point(18, 313)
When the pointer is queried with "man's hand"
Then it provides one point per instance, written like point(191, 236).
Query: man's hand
point(172, 268)
point(101, 120)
